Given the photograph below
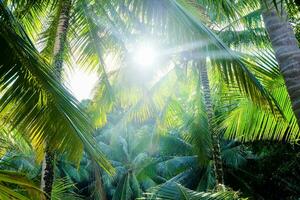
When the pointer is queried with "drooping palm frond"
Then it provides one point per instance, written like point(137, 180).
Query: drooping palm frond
point(28, 189)
point(188, 164)
point(227, 11)
point(62, 189)
point(31, 14)
point(235, 71)
point(12, 141)
point(143, 15)
point(34, 102)
point(96, 35)
point(175, 191)
point(93, 38)
point(244, 38)
point(248, 122)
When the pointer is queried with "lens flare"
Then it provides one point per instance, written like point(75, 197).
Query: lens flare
point(144, 55)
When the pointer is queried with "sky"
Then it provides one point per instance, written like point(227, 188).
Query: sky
point(80, 82)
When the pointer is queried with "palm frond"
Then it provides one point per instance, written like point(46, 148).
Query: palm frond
point(248, 122)
point(171, 190)
point(236, 71)
point(34, 102)
point(62, 188)
point(11, 177)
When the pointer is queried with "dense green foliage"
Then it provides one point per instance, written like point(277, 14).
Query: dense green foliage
point(216, 103)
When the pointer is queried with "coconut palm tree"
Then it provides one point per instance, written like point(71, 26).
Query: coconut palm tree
point(180, 9)
point(134, 163)
point(40, 97)
point(197, 31)
point(244, 17)
point(216, 152)
point(57, 62)
point(280, 32)
point(64, 16)
point(286, 48)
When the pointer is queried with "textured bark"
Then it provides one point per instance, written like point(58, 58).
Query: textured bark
point(61, 36)
point(47, 174)
point(216, 150)
point(58, 57)
point(286, 49)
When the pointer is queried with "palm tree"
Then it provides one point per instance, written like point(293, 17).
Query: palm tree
point(32, 97)
point(17, 179)
point(161, 105)
point(55, 38)
point(286, 48)
point(280, 32)
point(235, 71)
point(205, 83)
point(248, 122)
point(241, 21)
point(216, 152)
point(58, 58)
point(129, 150)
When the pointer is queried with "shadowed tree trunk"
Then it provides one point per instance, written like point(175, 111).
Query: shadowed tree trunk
point(286, 49)
point(100, 192)
point(47, 173)
point(58, 57)
point(216, 150)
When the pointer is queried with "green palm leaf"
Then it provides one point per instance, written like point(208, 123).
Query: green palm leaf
point(174, 191)
point(35, 103)
point(10, 177)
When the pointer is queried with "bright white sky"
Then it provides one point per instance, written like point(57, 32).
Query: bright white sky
point(80, 82)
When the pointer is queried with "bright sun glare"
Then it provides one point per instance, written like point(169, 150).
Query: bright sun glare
point(144, 54)
point(81, 83)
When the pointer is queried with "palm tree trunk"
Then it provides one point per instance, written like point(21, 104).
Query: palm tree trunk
point(286, 49)
point(58, 57)
point(100, 191)
point(47, 173)
point(61, 36)
point(216, 150)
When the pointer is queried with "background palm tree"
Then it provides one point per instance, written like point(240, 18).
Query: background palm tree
point(216, 152)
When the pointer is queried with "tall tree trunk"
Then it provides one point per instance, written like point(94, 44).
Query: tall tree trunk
point(61, 36)
point(216, 150)
point(286, 49)
point(58, 57)
point(47, 173)
point(100, 192)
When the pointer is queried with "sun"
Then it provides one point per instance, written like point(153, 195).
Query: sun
point(145, 54)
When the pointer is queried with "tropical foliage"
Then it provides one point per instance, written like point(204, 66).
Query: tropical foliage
point(195, 99)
